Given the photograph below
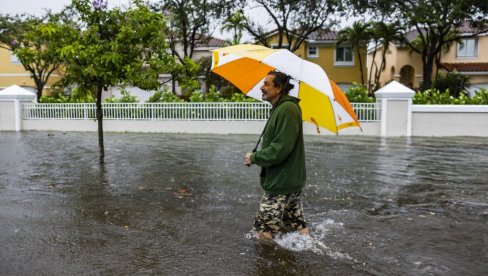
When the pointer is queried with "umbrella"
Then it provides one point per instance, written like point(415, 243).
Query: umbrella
point(321, 100)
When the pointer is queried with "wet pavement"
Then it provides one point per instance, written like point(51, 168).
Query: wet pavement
point(175, 204)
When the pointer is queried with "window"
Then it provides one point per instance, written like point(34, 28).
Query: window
point(467, 48)
point(312, 52)
point(275, 46)
point(344, 56)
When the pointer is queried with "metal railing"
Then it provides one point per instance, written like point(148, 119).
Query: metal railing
point(367, 112)
point(218, 111)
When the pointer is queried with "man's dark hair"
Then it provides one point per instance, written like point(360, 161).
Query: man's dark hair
point(282, 80)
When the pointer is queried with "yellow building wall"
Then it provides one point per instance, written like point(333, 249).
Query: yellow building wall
point(451, 55)
point(339, 74)
point(405, 57)
point(390, 72)
point(14, 73)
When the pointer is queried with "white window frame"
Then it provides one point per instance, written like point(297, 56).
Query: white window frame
point(464, 52)
point(315, 48)
point(343, 63)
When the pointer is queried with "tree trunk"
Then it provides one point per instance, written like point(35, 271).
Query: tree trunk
point(99, 113)
point(39, 88)
point(361, 66)
point(427, 74)
point(371, 85)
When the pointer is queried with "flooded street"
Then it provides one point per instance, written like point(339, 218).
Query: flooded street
point(176, 204)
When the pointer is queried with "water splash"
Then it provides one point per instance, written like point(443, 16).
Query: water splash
point(314, 242)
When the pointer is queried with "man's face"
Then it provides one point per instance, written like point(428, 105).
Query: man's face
point(269, 90)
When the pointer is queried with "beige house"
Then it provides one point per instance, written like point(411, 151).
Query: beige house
point(469, 57)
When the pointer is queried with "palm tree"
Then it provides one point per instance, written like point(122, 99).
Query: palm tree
point(358, 35)
point(234, 23)
point(383, 35)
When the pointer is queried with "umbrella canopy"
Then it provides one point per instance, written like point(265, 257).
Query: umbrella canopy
point(321, 100)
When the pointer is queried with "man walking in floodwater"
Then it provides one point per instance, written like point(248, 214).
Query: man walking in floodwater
point(282, 161)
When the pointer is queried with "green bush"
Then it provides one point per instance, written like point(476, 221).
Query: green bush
point(212, 95)
point(126, 98)
point(164, 96)
point(239, 97)
point(196, 96)
point(433, 96)
point(228, 91)
point(358, 94)
point(481, 97)
point(456, 83)
point(77, 95)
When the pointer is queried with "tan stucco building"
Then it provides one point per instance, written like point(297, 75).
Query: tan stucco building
point(469, 57)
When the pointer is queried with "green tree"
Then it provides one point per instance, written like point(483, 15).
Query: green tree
point(113, 47)
point(456, 83)
point(436, 22)
point(36, 43)
point(189, 25)
point(382, 34)
point(12, 27)
point(293, 20)
point(358, 35)
point(235, 23)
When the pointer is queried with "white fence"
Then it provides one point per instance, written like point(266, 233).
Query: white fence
point(392, 115)
point(218, 111)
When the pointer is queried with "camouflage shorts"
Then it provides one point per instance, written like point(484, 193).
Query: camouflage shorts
point(279, 211)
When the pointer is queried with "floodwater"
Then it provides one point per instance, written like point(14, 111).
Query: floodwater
point(183, 204)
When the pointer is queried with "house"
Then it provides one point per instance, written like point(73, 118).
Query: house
point(340, 62)
point(12, 72)
point(468, 57)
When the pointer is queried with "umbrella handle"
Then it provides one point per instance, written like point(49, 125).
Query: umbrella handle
point(256, 147)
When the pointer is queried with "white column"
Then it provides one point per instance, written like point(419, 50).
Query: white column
point(11, 100)
point(396, 109)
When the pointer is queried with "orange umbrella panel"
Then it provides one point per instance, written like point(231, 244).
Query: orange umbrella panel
point(244, 73)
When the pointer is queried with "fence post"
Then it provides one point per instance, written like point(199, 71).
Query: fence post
point(11, 99)
point(396, 109)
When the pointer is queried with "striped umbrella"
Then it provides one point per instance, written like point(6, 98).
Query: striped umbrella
point(321, 100)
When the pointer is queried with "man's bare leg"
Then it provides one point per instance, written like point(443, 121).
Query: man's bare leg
point(304, 231)
point(265, 235)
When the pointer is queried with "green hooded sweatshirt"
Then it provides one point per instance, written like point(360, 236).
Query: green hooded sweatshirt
point(282, 154)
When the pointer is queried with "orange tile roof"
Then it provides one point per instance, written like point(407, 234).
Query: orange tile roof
point(466, 67)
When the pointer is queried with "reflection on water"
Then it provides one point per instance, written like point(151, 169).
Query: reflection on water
point(181, 205)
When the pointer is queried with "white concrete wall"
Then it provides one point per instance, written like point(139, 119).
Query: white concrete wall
point(217, 127)
point(161, 126)
point(426, 121)
point(7, 115)
point(448, 120)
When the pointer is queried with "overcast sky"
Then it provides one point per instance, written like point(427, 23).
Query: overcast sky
point(39, 7)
